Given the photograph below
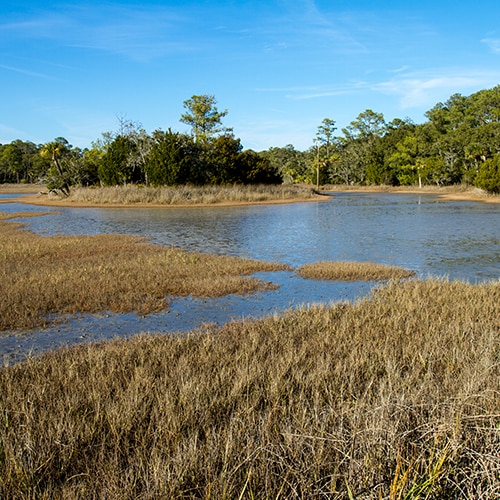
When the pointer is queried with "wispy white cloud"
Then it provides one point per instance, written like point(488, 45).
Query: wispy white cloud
point(45, 24)
point(305, 27)
point(402, 69)
point(24, 71)
point(345, 28)
point(139, 33)
point(300, 93)
point(492, 43)
point(425, 89)
point(414, 89)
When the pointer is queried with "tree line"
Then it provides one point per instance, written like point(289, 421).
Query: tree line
point(458, 143)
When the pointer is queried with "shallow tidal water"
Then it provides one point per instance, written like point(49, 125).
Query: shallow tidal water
point(453, 239)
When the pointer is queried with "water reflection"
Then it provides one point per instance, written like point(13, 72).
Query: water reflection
point(459, 239)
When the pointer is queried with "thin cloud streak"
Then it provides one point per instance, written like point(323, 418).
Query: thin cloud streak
point(140, 34)
point(313, 92)
point(25, 72)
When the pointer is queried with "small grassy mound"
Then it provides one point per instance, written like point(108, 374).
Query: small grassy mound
point(352, 271)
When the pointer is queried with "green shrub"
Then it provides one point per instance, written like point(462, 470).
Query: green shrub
point(488, 176)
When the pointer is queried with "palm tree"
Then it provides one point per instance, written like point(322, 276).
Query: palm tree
point(55, 151)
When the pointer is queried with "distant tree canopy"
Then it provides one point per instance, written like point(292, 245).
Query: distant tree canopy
point(459, 143)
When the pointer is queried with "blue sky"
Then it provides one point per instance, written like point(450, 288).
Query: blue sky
point(73, 69)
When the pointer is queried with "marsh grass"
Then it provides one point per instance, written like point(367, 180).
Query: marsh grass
point(189, 195)
point(9, 188)
point(40, 275)
point(352, 271)
point(395, 396)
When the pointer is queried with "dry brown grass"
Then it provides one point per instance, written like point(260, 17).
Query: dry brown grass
point(70, 274)
point(7, 188)
point(188, 195)
point(395, 397)
point(352, 271)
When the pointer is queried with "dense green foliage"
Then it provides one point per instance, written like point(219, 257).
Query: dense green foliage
point(488, 176)
point(459, 143)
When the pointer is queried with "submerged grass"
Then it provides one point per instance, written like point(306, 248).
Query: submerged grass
point(70, 274)
point(352, 271)
point(395, 396)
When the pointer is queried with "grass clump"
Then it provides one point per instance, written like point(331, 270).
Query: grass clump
point(352, 271)
point(72, 274)
point(395, 396)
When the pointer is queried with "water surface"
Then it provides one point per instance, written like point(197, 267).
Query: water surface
point(456, 239)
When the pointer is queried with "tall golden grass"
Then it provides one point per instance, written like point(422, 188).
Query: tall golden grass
point(71, 274)
point(395, 396)
point(352, 271)
point(188, 195)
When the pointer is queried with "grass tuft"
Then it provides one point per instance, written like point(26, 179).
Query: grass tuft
point(352, 271)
